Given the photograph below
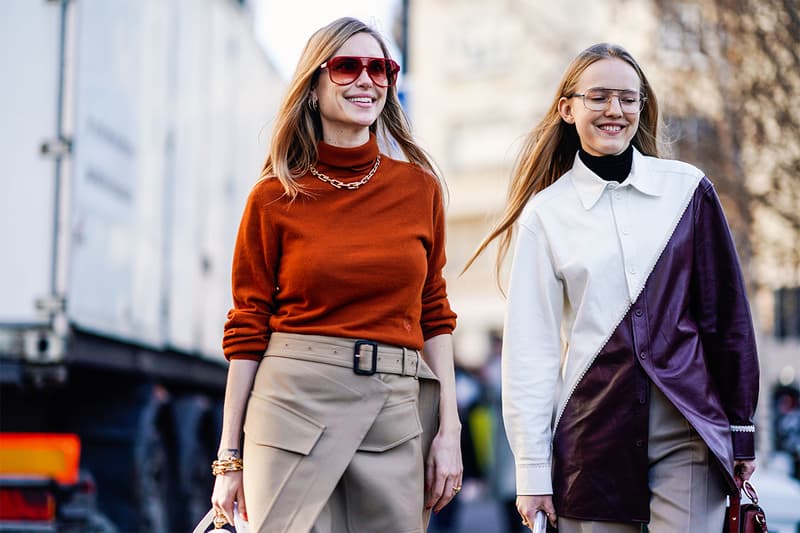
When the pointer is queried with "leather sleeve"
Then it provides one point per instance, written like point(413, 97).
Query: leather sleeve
point(723, 314)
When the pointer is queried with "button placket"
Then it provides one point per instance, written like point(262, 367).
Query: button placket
point(641, 337)
point(619, 204)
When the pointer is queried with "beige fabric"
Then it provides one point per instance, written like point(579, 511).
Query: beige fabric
point(568, 525)
point(327, 450)
point(687, 490)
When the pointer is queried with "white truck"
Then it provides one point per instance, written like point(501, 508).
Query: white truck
point(132, 131)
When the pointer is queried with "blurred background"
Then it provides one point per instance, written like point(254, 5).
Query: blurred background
point(133, 130)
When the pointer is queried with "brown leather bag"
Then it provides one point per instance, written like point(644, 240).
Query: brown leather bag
point(747, 517)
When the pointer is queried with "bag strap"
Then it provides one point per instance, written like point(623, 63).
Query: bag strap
point(733, 511)
point(736, 502)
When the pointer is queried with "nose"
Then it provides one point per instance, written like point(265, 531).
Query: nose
point(614, 105)
point(363, 79)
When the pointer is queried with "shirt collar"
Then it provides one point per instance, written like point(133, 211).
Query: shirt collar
point(590, 186)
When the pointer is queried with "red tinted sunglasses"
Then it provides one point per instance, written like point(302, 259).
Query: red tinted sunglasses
point(344, 70)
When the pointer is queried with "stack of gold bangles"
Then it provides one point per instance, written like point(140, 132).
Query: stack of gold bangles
point(222, 466)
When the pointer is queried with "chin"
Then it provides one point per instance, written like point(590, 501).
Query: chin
point(364, 122)
point(616, 148)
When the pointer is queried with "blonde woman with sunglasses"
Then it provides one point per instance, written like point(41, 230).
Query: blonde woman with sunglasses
point(340, 338)
point(630, 375)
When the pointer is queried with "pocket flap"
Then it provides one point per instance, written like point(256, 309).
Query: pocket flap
point(271, 423)
point(394, 425)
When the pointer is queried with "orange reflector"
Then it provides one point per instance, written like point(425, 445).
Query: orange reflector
point(27, 504)
point(52, 455)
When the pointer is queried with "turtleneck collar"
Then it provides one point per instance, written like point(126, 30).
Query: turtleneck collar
point(343, 161)
point(609, 167)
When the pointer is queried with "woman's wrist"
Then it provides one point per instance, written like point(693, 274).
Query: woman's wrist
point(229, 453)
point(450, 426)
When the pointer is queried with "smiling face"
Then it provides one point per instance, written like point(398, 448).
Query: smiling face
point(347, 111)
point(608, 131)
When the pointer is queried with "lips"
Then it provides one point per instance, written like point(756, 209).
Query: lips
point(611, 128)
point(360, 99)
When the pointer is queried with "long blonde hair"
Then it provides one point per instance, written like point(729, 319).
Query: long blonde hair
point(550, 148)
point(298, 127)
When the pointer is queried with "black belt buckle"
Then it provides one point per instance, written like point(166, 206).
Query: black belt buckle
point(357, 358)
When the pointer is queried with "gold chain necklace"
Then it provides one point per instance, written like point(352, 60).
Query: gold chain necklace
point(342, 185)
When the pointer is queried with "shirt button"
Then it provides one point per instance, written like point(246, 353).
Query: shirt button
point(617, 196)
point(639, 443)
point(632, 271)
point(638, 312)
point(624, 231)
point(643, 354)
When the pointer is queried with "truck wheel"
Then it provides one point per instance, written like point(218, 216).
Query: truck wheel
point(153, 482)
point(202, 482)
point(195, 442)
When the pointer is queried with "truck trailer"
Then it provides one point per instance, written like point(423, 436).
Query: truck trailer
point(132, 133)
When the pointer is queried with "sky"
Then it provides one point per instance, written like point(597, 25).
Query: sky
point(284, 26)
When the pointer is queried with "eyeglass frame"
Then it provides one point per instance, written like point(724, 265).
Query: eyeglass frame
point(611, 93)
point(391, 74)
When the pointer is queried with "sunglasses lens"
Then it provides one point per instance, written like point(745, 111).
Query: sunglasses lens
point(376, 68)
point(344, 69)
point(390, 71)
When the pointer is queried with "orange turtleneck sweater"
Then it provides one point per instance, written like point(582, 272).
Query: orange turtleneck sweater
point(363, 264)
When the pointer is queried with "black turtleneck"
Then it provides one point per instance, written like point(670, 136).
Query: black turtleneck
point(609, 167)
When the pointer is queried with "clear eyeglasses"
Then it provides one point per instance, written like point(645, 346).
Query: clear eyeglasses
point(599, 98)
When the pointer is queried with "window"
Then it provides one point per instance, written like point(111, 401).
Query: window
point(787, 312)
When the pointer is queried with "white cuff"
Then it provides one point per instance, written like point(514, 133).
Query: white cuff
point(534, 479)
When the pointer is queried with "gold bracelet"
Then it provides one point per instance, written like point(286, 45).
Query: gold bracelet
point(222, 466)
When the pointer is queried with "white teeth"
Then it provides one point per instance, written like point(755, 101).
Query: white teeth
point(361, 100)
point(611, 127)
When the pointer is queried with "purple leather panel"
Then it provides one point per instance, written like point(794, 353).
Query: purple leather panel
point(690, 332)
point(600, 446)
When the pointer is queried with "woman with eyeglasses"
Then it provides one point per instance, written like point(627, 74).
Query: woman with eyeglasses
point(341, 376)
point(630, 374)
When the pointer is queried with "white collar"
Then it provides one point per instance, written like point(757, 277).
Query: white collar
point(590, 186)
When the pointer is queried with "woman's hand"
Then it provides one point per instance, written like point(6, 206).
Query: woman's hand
point(228, 488)
point(742, 470)
point(444, 471)
point(528, 505)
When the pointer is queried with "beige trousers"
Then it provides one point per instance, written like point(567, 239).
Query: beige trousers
point(330, 451)
point(688, 492)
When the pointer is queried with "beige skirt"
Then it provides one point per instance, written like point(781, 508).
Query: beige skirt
point(328, 449)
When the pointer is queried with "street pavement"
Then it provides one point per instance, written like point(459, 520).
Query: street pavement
point(476, 512)
point(481, 516)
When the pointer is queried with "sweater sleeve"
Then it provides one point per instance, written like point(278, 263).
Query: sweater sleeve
point(530, 360)
point(436, 317)
point(253, 282)
point(723, 315)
